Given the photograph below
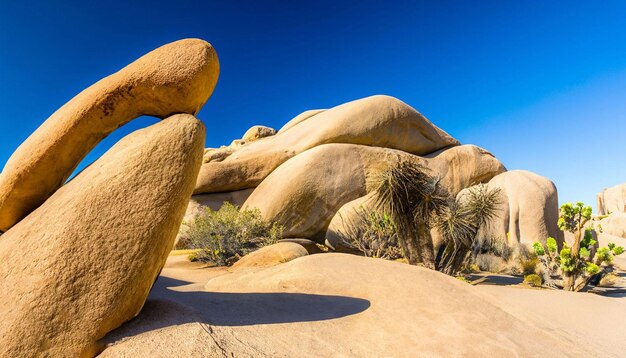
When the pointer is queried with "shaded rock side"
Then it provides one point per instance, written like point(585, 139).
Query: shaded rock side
point(379, 121)
point(83, 262)
point(176, 78)
point(306, 192)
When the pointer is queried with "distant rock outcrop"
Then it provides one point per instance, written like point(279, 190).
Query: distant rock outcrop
point(176, 78)
point(84, 262)
point(612, 200)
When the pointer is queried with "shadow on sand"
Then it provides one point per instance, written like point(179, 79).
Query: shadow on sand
point(166, 307)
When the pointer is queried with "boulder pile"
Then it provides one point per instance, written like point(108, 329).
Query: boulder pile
point(313, 173)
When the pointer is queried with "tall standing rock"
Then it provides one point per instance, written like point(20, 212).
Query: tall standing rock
point(175, 78)
point(529, 210)
point(83, 262)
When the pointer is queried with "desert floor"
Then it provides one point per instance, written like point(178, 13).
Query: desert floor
point(268, 324)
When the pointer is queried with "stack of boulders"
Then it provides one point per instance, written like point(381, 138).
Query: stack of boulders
point(78, 258)
point(312, 174)
point(611, 204)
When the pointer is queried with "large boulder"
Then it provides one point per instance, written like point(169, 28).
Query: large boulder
point(345, 216)
point(176, 78)
point(529, 209)
point(271, 255)
point(84, 262)
point(306, 192)
point(614, 224)
point(612, 199)
point(380, 121)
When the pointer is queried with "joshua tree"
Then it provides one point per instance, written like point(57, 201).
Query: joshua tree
point(460, 222)
point(413, 199)
point(573, 219)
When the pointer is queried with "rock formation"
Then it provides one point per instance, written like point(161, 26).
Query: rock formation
point(176, 78)
point(271, 255)
point(380, 121)
point(529, 210)
point(257, 132)
point(306, 192)
point(83, 263)
point(612, 200)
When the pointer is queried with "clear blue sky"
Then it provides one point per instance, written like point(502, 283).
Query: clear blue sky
point(542, 85)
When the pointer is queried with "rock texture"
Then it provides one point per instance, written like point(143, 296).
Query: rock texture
point(176, 78)
point(530, 208)
point(612, 200)
point(614, 224)
point(306, 192)
point(84, 262)
point(271, 255)
point(380, 121)
point(257, 132)
point(300, 118)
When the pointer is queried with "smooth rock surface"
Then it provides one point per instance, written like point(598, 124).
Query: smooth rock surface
point(84, 262)
point(271, 255)
point(176, 78)
point(379, 121)
point(612, 199)
point(336, 305)
point(529, 211)
point(614, 224)
point(300, 118)
point(306, 192)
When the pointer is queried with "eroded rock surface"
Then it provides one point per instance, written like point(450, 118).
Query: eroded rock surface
point(379, 121)
point(176, 78)
point(84, 262)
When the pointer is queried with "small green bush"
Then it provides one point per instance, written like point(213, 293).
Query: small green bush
point(529, 264)
point(533, 280)
point(221, 237)
point(372, 233)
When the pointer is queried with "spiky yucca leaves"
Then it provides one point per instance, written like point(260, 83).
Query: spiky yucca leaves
point(413, 199)
point(460, 222)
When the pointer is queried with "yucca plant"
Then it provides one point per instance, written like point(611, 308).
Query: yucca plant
point(460, 222)
point(413, 199)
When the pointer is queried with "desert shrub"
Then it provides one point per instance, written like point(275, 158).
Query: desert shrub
point(372, 233)
point(528, 265)
point(221, 237)
point(533, 280)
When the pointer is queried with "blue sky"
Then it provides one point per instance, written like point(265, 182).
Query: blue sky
point(541, 85)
